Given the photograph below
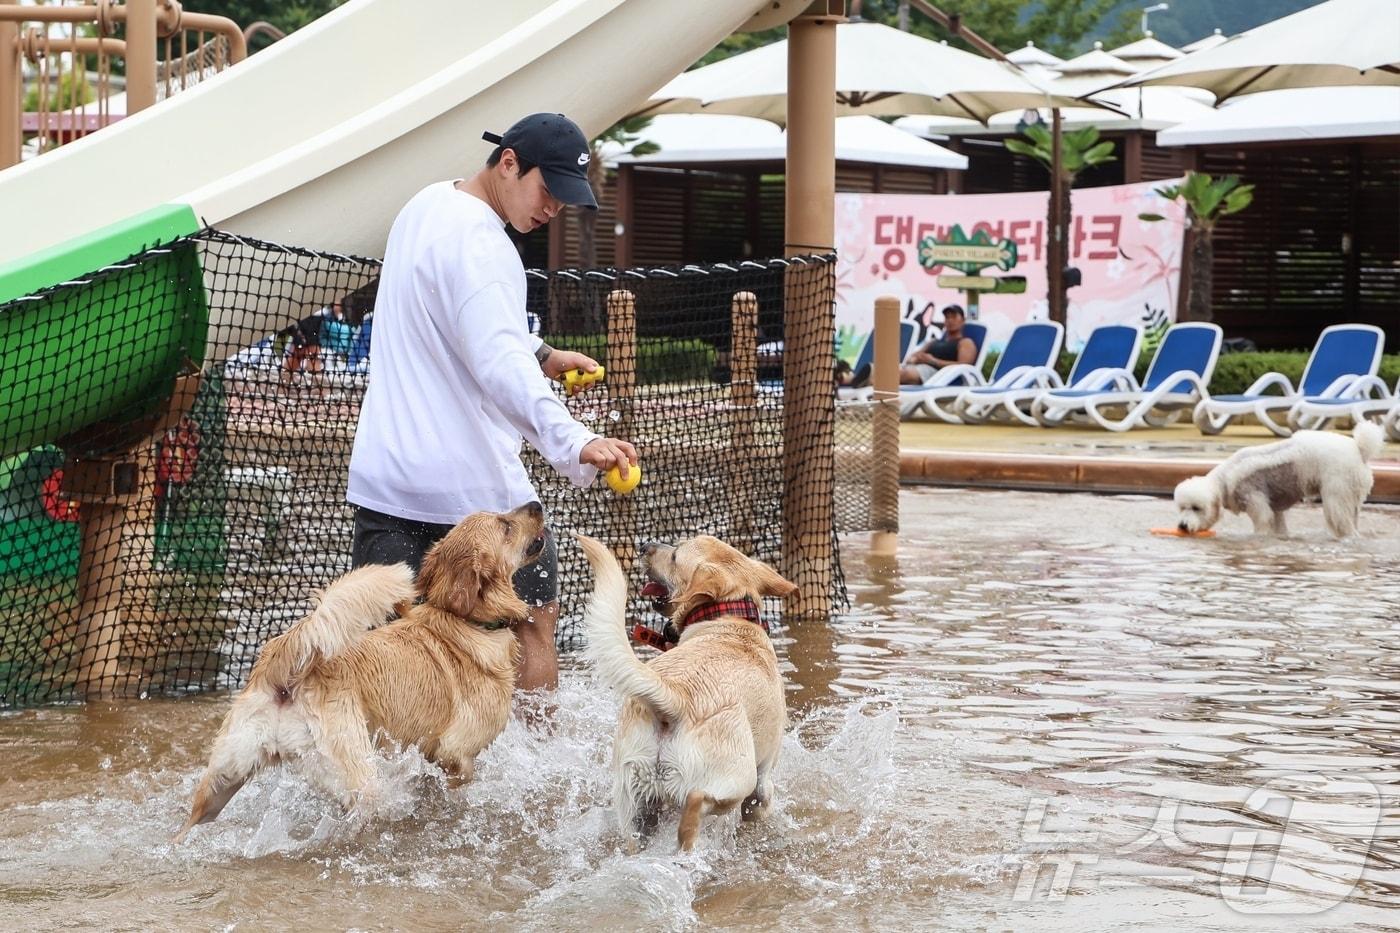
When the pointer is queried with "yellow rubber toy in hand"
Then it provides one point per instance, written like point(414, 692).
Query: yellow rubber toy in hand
point(623, 486)
point(576, 380)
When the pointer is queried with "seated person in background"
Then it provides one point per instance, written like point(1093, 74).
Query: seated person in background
point(952, 347)
point(304, 354)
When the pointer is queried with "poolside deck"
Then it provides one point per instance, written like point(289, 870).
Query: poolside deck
point(1150, 461)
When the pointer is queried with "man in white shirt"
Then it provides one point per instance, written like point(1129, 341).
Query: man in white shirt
point(457, 379)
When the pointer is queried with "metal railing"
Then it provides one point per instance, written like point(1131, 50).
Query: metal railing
point(165, 50)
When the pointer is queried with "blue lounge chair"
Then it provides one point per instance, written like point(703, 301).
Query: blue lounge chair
point(1109, 351)
point(1344, 355)
point(907, 329)
point(1176, 380)
point(1370, 398)
point(1033, 346)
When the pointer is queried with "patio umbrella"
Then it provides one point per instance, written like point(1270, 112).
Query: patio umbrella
point(880, 71)
point(1208, 42)
point(1341, 42)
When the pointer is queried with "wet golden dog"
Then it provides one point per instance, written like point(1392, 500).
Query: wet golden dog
point(703, 723)
point(440, 678)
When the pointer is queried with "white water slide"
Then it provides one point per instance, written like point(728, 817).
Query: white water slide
point(320, 139)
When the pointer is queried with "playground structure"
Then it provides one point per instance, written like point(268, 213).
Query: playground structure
point(332, 177)
point(160, 567)
point(60, 117)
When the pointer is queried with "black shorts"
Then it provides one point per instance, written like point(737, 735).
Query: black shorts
point(388, 539)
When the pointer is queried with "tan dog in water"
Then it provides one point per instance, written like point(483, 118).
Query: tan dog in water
point(703, 723)
point(440, 678)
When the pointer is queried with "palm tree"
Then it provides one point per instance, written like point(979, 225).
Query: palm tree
point(1207, 200)
point(1079, 150)
point(628, 135)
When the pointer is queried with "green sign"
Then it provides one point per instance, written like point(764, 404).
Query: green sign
point(967, 254)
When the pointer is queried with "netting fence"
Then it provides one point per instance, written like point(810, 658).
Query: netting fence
point(177, 430)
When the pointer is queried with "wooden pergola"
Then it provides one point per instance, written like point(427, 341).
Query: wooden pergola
point(1320, 244)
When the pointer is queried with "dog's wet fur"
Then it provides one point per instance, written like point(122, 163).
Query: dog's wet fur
point(339, 681)
point(702, 724)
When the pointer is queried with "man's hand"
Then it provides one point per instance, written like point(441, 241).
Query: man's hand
point(608, 452)
point(561, 361)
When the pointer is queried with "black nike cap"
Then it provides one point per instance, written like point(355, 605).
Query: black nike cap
point(558, 147)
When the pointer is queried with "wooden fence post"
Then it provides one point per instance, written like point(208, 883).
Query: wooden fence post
point(884, 465)
point(621, 383)
point(743, 377)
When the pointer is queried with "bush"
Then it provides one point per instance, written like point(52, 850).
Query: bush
point(1234, 372)
point(659, 359)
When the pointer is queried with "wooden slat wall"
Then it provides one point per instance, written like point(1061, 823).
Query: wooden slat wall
point(1284, 267)
point(696, 215)
point(1162, 162)
point(993, 169)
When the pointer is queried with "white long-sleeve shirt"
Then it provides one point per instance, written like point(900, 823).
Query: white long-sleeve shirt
point(454, 383)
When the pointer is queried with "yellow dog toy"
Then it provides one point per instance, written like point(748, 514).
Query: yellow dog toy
point(576, 380)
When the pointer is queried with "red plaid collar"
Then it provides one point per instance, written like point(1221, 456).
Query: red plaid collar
point(667, 639)
point(742, 608)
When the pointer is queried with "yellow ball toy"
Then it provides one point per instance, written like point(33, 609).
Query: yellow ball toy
point(576, 380)
point(620, 485)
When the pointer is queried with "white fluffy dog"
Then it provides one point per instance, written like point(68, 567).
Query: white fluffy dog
point(1265, 482)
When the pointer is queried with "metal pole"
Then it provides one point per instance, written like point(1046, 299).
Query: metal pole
point(140, 54)
point(11, 95)
point(1056, 255)
point(808, 406)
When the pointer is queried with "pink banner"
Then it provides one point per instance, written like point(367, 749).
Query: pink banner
point(1131, 268)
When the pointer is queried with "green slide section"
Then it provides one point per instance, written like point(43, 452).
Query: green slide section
point(106, 350)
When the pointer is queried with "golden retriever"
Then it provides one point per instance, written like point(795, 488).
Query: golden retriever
point(440, 678)
point(702, 724)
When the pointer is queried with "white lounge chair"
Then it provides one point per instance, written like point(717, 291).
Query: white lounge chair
point(1373, 400)
point(1176, 380)
point(1345, 354)
point(1033, 346)
point(907, 329)
point(1111, 349)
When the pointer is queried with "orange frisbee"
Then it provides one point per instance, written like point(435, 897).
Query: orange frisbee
point(1178, 533)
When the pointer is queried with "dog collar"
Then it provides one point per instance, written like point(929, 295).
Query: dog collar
point(743, 608)
point(670, 636)
point(495, 626)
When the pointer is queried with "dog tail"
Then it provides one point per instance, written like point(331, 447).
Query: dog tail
point(343, 613)
point(1369, 439)
point(607, 648)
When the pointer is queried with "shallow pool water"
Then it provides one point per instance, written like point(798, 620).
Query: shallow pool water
point(1037, 717)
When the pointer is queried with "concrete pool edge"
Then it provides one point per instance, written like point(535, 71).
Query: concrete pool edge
point(1079, 473)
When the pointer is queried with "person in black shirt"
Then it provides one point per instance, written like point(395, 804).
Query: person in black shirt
point(953, 347)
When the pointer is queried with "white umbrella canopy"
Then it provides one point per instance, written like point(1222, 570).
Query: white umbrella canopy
point(1338, 43)
point(1151, 108)
point(880, 71)
point(703, 138)
point(1303, 114)
point(1030, 55)
point(1147, 52)
point(1090, 72)
point(1208, 42)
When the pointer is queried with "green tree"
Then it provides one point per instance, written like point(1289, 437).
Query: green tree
point(1189, 20)
point(629, 135)
point(1058, 26)
point(1207, 200)
point(73, 91)
point(1079, 150)
point(286, 16)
